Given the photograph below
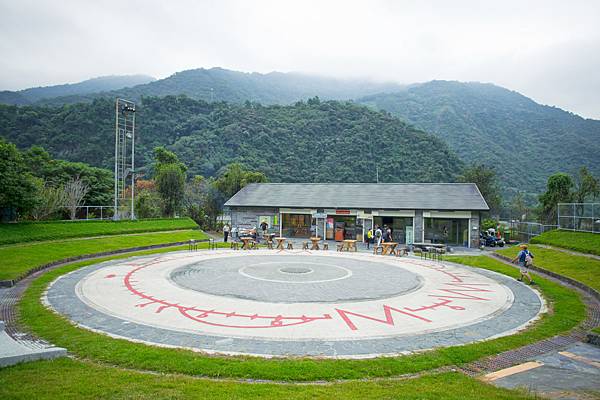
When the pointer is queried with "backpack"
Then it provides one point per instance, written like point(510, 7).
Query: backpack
point(378, 233)
point(528, 259)
point(370, 234)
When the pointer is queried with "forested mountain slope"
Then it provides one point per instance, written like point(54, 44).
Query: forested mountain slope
point(218, 84)
point(311, 141)
point(94, 85)
point(483, 123)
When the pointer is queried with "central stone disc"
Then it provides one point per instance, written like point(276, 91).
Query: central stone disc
point(294, 279)
point(294, 270)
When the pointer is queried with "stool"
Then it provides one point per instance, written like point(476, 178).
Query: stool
point(290, 246)
point(325, 246)
point(270, 244)
point(377, 248)
point(193, 246)
point(305, 246)
point(235, 245)
point(403, 251)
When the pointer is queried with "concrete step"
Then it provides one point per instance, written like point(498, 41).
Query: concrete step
point(13, 351)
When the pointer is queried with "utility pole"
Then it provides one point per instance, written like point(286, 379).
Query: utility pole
point(377, 169)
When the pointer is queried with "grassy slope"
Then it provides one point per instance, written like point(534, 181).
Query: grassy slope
point(18, 259)
point(583, 269)
point(71, 379)
point(52, 230)
point(579, 241)
point(568, 312)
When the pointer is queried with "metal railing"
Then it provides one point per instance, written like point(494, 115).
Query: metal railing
point(580, 217)
point(93, 212)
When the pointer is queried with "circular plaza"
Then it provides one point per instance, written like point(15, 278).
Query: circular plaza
point(294, 303)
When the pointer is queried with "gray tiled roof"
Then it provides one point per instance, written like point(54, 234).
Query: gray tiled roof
point(425, 196)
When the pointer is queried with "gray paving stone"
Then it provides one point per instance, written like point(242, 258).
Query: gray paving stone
point(525, 307)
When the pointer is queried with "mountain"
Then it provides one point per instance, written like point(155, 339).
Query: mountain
point(101, 84)
point(218, 84)
point(313, 141)
point(483, 123)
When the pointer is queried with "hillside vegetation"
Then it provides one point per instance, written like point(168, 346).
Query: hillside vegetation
point(579, 241)
point(310, 141)
point(525, 141)
point(218, 84)
point(52, 230)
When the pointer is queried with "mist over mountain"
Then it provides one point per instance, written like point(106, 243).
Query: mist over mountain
point(218, 84)
point(94, 85)
point(524, 141)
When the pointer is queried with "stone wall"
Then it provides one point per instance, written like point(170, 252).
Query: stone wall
point(474, 233)
point(419, 225)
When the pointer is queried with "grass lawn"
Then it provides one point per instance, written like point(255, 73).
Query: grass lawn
point(18, 259)
point(567, 312)
point(71, 379)
point(53, 230)
point(583, 269)
point(579, 241)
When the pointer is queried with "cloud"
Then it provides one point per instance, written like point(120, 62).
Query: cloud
point(545, 49)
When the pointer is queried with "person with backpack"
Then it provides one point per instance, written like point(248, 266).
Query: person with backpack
point(378, 235)
point(525, 259)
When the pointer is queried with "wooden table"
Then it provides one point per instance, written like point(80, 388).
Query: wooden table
point(388, 248)
point(315, 243)
point(349, 244)
point(280, 241)
point(246, 242)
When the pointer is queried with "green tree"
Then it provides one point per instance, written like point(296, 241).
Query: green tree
point(18, 188)
point(558, 190)
point(519, 205)
point(170, 183)
point(58, 173)
point(487, 182)
point(148, 204)
point(170, 179)
point(587, 186)
point(235, 177)
point(163, 156)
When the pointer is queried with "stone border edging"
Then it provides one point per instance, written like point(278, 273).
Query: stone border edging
point(11, 282)
point(591, 291)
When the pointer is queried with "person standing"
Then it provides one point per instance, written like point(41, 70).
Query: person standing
point(525, 259)
point(234, 234)
point(369, 237)
point(226, 230)
point(378, 235)
point(264, 226)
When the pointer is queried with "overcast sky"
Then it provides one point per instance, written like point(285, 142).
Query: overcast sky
point(547, 50)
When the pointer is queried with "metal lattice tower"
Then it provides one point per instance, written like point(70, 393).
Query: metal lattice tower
point(124, 158)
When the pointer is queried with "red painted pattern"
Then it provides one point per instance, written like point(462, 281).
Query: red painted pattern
point(456, 289)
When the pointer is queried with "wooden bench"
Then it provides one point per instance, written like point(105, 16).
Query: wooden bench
point(325, 246)
point(305, 245)
point(290, 246)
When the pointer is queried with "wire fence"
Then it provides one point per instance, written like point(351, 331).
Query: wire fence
point(93, 212)
point(580, 217)
point(524, 231)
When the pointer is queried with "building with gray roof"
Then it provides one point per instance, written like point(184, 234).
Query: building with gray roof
point(416, 212)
